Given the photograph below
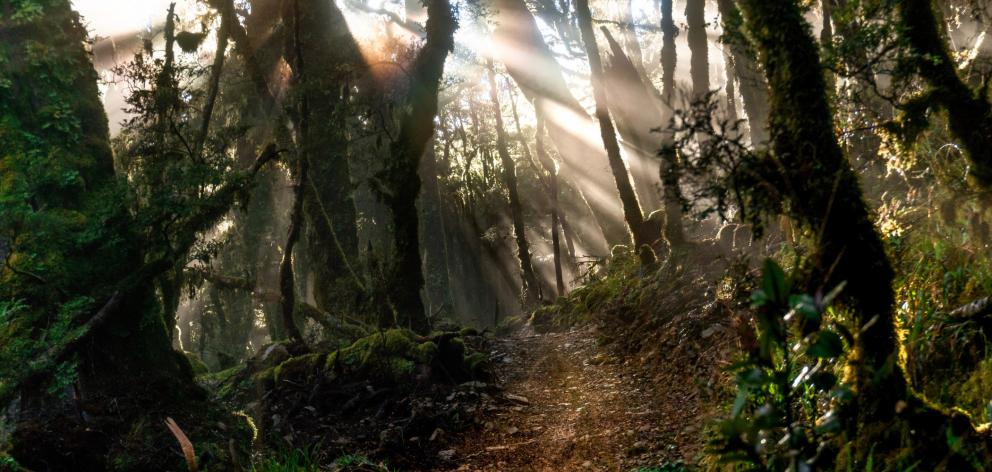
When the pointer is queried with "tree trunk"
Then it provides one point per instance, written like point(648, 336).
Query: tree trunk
point(753, 87)
point(629, 33)
point(333, 60)
point(969, 112)
point(824, 195)
point(634, 110)
point(528, 59)
point(636, 117)
point(213, 87)
point(83, 394)
point(640, 231)
point(731, 90)
point(669, 58)
point(695, 18)
point(827, 39)
point(552, 171)
point(434, 234)
point(530, 288)
point(400, 178)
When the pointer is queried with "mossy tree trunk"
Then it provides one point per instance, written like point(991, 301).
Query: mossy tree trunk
point(669, 60)
point(969, 111)
point(636, 117)
point(823, 194)
point(636, 224)
point(77, 258)
point(400, 180)
point(636, 112)
point(332, 62)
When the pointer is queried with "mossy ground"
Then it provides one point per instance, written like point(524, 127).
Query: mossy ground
point(351, 399)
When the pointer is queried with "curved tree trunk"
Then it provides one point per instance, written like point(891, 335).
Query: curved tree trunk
point(83, 393)
point(636, 116)
point(824, 195)
point(520, 46)
point(969, 112)
point(400, 177)
point(642, 237)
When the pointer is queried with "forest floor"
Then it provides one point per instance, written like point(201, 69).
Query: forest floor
point(578, 407)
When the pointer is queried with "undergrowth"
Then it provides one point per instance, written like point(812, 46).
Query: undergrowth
point(603, 287)
point(947, 358)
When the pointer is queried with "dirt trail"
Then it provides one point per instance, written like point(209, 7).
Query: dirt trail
point(577, 408)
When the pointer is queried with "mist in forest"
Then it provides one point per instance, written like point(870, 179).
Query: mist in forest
point(651, 235)
point(470, 229)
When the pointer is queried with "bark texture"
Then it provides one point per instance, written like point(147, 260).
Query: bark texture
point(699, 70)
point(332, 63)
point(400, 179)
point(824, 195)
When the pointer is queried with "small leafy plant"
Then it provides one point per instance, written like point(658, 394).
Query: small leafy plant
point(788, 396)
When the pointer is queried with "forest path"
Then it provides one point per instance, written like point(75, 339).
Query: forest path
point(576, 408)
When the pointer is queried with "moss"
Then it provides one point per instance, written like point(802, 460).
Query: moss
point(199, 368)
point(426, 351)
point(389, 356)
point(223, 375)
point(476, 362)
point(510, 325)
point(265, 379)
point(921, 437)
point(974, 395)
point(621, 279)
point(299, 368)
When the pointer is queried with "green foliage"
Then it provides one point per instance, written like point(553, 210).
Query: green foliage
point(946, 358)
point(677, 466)
point(297, 460)
point(788, 393)
point(395, 357)
point(199, 368)
point(64, 223)
point(358, 462)
point(8, 464)
point(189, 42)
point(603, 285)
